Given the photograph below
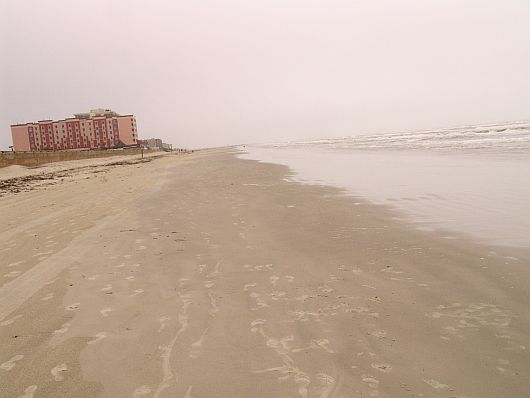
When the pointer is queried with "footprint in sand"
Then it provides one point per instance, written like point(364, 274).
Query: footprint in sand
point(10, 321)
point(322, 343)
point(435, 384)
point(368, 286)
point(12, 274)
point(7, 366)
point(278, 295)
point(256, 323)
point(196, 348)
point(325, 290)
point(99, 336)
point(182, 281)
point(29, 392)
point(303, 297)
point(49, 296)
point(141, 391)
point(274, 279)
point(381, 334)
point(15, 264)
point(382, 367)
point(105, 311)
point(64, 328)
point(163, 320)
point(43, 253)
point(327, 383)
point(261, 303)
point(371, 381)
point(72, 307)
point(56, 372)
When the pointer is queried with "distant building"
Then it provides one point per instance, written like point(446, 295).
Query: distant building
point(154, 143)
point(97, 129)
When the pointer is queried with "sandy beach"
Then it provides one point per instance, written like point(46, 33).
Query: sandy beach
point(206, 275)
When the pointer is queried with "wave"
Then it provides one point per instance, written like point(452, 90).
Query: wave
point(503, 137)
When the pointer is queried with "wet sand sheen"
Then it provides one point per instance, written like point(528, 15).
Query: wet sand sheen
point(218, 277)
point(482, 194)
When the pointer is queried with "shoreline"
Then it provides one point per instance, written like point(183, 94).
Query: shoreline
point(481, 196)
point(210, 267)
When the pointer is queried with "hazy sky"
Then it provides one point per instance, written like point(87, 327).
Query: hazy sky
point(207, 73)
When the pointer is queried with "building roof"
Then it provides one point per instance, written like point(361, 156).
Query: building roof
point(99, 113)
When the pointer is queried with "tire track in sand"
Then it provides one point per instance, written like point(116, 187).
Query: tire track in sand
point(167, 350)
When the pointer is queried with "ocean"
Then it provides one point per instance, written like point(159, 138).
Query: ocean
point(471, 181)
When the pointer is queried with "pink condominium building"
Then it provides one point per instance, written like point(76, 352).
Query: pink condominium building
point(99, 128)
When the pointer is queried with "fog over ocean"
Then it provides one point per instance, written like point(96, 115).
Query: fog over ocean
point(471, 180)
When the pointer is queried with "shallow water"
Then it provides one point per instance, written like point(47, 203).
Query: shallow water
point(478, 192)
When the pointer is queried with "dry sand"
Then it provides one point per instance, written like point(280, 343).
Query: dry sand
point(210, 276)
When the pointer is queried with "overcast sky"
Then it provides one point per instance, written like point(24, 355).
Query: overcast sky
point(208, 73)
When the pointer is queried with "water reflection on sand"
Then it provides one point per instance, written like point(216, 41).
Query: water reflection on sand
point(485, 195)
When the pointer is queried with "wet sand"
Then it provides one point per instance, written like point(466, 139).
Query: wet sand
point(483, 194)
point(211, 276)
